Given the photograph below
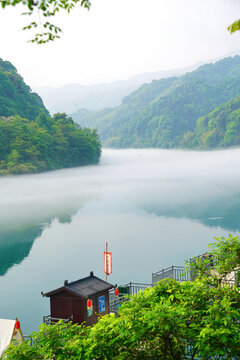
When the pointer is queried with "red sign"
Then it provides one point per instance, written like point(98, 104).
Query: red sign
point(107, 262)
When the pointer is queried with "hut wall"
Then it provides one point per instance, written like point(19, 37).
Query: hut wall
point(65, 305)
point(90, 320)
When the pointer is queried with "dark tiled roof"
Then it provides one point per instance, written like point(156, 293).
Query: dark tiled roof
point(84, 287)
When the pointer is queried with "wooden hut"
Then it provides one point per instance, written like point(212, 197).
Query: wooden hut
point(69, 302)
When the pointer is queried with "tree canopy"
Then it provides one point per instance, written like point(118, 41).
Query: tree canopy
point(45, 9)
point(16, 98)
point(46, 31)
point(234, 26)
point(48, 143)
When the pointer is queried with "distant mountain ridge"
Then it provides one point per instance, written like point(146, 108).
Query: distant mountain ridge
point(161, 113)
point(71, 97)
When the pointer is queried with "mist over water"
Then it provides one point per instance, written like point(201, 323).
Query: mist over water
point(155, 208)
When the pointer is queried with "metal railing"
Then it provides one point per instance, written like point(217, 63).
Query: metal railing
point(134, 288)
point(116, 302)
point(125, 291)
point(49, 320)
point(173, 272)
point(28, 338)
point(179, 273)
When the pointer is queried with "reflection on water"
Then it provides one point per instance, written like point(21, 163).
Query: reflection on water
point(223, 211)
point(16, 245)
point(154, 207)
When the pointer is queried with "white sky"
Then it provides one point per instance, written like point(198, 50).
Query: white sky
point(120, 38)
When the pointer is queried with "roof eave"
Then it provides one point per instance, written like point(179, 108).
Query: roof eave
point(66, 288)
point(63, 288)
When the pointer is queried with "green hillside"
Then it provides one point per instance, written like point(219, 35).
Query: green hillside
point(163, 113)
point(220, 128)
point(16, 97)
point(30, 140)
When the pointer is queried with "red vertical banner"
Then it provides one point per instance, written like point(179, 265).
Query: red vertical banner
point(107, 262)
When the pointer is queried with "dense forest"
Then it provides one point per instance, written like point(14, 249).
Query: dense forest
point(33, 141)
point(220, 128)
point(16, 98)
point(173, 112)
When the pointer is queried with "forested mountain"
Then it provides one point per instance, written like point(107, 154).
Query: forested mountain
point(164, 112)
point(16, 98)
point(31, 140)
point(220, 128)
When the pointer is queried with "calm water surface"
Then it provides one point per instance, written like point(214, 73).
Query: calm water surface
point(155, 208)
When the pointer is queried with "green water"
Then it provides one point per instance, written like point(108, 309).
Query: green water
point(155, 208)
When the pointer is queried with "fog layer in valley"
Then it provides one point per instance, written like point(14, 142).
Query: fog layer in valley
point(154, 207)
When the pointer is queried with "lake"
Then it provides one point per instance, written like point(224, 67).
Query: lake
point(155, 208)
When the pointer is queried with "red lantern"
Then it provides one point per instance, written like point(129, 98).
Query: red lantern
point(89, 303)
point(17, 325)
point(116, 292)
